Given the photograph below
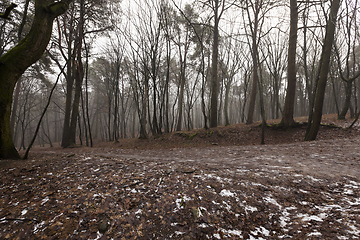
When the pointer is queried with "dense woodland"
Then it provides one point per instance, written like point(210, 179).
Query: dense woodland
point(120, 69)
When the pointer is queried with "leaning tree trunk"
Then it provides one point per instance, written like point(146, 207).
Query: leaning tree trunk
point(324, 70)
point(14, 63)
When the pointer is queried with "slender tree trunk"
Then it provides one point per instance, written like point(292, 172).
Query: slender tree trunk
point(79, 75)
point(226, 103)
point(143, 132)
point(288, 113)
point(214, 72)
point(14, 63)
point(324, 70)
point(348, 91)
point(182, 88)
point(254, 88)
point(69, 91)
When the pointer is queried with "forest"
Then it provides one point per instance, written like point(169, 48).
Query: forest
point(179, 119)
point(126, 69)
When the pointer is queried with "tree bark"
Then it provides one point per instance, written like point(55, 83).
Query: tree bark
point(214, 71)
point(18, 59)
point(288, 113)
point(324, 70)
point(348, 91)
point(255, 81)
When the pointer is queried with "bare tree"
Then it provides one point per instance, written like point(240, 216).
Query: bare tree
point(324, 70)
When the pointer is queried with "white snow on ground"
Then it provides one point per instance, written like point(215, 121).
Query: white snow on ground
point(23, 212)
point(285, 218)
point(227, 193)
point(45, 200)
point(316, 233)
point(307, 217)
point(272, 201)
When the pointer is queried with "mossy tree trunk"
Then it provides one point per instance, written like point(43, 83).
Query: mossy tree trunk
point(14, 63)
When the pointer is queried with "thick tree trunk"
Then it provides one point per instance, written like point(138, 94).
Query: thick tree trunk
point(324, 70)
point(288, 113)
point(69, 89)
point(18, 59)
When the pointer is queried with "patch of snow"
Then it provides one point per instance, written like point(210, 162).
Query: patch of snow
point(314, 234)
point(273, 201)
point(307, 217)
point(23, 212)
point(97, 195)
point(180, 202)
point(203, 225)
point(233, 232)
point(227, 193)
point(354, 230)
point(250, 208)
point(303, 191)
point(348, 191)
point(314, 179)
point(45, 200)
point(217, 236)
point(98, 236)
point(38, 226)
point(355, 183)
point(285, 217)
point(352, 203)
point(261, 230)
point(179, 233)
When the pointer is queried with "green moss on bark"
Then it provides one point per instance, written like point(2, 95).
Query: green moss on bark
point(17, 60)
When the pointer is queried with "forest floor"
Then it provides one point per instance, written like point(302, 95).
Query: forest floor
point(202, 184)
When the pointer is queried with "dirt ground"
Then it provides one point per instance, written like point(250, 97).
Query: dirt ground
point(201, 184)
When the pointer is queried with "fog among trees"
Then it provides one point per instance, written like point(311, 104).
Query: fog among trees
point(132, 69)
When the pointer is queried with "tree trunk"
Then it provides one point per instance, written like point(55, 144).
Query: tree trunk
point(182, 87)
point(348, 91)
point(226, 103)
point(255, 76)
point(14, 63)
point(65, 142)
point(288, 113)
point(214, 72)
point(79, 75)
point(324, 70)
